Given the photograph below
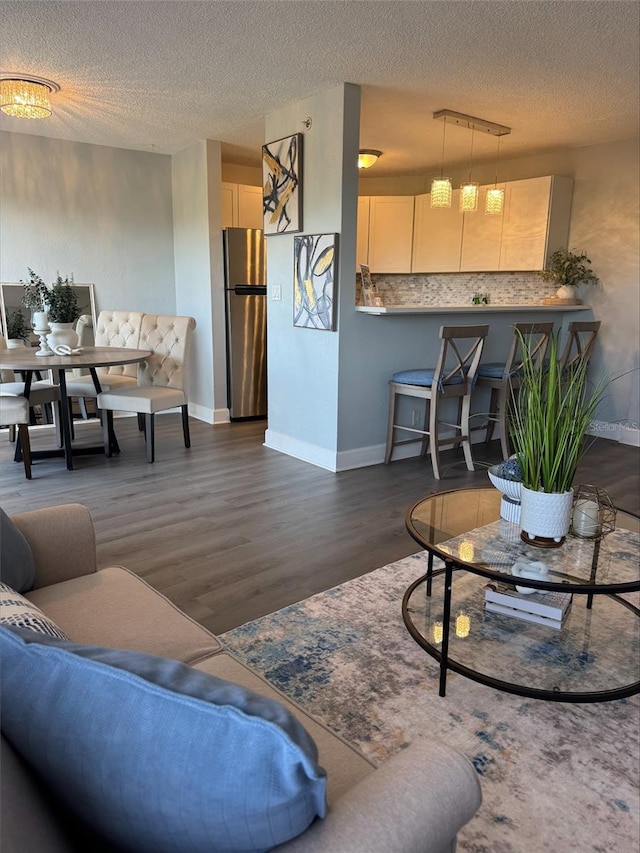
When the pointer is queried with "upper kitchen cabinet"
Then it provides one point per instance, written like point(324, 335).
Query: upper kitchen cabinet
point(481, 237)
point(362, 232)
point(241, 206)
point(536, 221)
point(390, 233)
point(437, 236)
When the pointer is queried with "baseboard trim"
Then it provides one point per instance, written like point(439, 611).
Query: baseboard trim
point(319, 456)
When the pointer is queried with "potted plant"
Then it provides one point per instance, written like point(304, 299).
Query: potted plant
point(63, 312)
point(18, 330)
point(568, 269)
point(35, 295)
point(550, 414)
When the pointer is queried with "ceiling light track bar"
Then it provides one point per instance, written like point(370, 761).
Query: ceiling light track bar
point(472, 123)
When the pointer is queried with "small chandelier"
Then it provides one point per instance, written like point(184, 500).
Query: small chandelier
point(494, 203)
point(441, 190)
point(367, 157)
point(469, 190)
point(22, 96)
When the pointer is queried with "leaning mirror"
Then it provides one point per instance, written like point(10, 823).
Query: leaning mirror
point(16, 319)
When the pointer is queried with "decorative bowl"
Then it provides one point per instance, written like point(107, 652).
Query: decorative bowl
point(510, 488)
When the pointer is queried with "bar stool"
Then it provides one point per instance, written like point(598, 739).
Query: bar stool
point(502, 377)
point(453, 377)
point(581, 339)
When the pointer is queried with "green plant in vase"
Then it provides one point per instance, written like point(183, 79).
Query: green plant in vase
point(63, 301)
point(550, 414)
point(35, 293)
point(568, 269)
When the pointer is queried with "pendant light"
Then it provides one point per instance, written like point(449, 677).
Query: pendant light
point(441, 190)
point(469, 190)
point(494, 203)
point(23, 96)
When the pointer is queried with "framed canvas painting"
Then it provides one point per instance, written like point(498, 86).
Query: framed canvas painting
point(282, 185)
point(314, 281)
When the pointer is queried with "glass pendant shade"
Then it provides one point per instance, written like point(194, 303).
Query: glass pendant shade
point(469, 197)
point(495, 201)
point(367, 157)
point(441, 192)
point(26, 98)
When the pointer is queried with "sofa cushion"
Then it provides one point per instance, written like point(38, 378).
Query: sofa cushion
point(158, 756)
point(113, 607)
point(17, 611)
point(17, 566)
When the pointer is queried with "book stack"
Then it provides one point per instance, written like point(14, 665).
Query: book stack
point(550, 608)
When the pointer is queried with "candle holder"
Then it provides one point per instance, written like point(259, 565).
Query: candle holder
point(593, 514)
point(42, 330)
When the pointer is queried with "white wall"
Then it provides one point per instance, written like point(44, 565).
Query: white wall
point(103, 214)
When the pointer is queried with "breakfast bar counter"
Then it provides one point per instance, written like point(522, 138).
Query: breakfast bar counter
point(411, 310)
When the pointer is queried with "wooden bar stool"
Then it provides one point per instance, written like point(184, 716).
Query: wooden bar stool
point(581, 339)
point(503, 377)
point(452, 377)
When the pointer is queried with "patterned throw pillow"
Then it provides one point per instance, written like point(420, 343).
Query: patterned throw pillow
point(18, 611)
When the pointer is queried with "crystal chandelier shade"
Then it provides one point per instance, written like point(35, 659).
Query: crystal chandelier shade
point(26, 97)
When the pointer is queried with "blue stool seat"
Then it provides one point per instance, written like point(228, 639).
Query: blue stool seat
point(492, 370)
point(422, 377)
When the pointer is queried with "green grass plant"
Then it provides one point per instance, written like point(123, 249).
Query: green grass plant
point(550, 414)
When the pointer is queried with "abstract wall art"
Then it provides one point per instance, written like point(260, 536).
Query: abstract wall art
point(314, 281)
point(282, 185)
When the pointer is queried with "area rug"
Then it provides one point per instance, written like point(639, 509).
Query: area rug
point(554, 776)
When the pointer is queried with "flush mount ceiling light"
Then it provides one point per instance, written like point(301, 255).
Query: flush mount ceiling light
point(23, 96)
point(468, 190)
point(367, 157)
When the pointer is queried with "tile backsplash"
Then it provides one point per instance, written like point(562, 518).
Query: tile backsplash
point(442, 289)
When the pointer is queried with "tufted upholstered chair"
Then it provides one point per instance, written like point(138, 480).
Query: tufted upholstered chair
point(42, 393)
point(162, 381)
point(14, 411)
point(113, 329)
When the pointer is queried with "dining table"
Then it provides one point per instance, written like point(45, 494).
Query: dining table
point(25, 360)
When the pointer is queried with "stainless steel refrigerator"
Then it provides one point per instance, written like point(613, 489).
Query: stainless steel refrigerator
point(246, 322)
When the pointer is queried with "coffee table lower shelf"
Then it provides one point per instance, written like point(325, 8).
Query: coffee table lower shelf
point(592, 658)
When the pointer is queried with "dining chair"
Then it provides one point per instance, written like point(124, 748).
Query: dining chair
point(162, 381)
point(14, 411)
point(113, 329)
point(504, 377)
point(452, 377)
point(581, 339)
point(43, 394)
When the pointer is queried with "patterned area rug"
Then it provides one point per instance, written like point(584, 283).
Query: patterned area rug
point(555, 777)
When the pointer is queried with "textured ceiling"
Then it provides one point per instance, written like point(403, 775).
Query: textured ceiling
point(160, 75)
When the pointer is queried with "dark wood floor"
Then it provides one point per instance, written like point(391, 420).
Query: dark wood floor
point(230, 530)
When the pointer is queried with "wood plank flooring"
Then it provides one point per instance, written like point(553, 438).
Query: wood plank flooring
point(230, 530)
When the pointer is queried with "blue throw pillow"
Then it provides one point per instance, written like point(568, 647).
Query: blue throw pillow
point(154, 755)
point(17, 566)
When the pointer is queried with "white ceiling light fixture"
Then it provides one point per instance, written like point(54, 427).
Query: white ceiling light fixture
point(441, 190)
point(24, 96)
point(367, 157)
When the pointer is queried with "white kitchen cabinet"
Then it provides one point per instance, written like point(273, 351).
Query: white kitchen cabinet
point(437, 236)
point(241, 206)
point(362, 232)
point(390, 233)
point(481, 237)
point(536, 221)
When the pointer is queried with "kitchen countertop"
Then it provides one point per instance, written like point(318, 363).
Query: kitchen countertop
point(397, 310)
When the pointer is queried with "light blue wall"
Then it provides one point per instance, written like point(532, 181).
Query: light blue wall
point(103, 214)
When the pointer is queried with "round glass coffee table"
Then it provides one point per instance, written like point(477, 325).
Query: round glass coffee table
point(591, 656)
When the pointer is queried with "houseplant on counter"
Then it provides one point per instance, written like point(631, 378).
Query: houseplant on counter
point(567, 269)
point(550, 414)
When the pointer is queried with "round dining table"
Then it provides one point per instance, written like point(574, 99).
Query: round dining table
point(25, 360)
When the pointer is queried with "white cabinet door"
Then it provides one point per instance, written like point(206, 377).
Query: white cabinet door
point(390, 233)
point(362, 232)
point(481, 238)
point(229, 204)
point(437, 236)
point(250, 207)
point(536, 221)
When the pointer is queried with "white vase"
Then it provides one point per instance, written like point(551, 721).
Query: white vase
point(40, 320)
point(545, 517)
point(62, 333)
point(565, 291)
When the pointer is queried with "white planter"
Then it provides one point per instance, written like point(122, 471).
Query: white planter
point(565, 291)
point(545, 517)
point(62, 333)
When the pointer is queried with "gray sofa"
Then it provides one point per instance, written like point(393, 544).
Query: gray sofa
point(416, 801)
